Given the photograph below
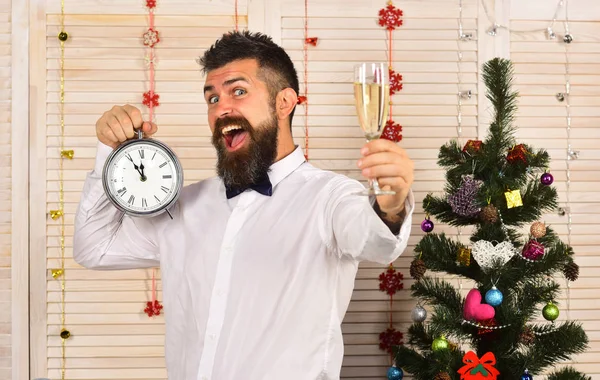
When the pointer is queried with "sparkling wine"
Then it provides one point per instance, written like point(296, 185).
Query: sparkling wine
point(372, 106)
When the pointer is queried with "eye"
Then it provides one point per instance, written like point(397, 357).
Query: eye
point(239, 91)
point(213, 99)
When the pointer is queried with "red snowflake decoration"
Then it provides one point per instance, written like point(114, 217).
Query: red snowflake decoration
point(312, 41)
point(390, 338)
point(395, 82)
point(153, 308)
point(151, 99)
point(151, 37)
point(390, 17)
point(392, 131)
point(151, 3)
point(487, 323)
point(301, 99)
point(390, 281)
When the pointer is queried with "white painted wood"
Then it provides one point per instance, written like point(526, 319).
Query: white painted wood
point(20, 190)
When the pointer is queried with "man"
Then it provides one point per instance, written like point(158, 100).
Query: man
point(256, 281)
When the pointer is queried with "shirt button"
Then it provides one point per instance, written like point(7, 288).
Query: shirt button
point(213, 336)
point(204, 378)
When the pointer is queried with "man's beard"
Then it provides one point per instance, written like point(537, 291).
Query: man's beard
point(245, 166)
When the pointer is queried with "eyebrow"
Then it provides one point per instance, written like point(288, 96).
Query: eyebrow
point(226, 83)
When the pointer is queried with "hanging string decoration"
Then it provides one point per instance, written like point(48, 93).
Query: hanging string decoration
point(303, 99)
point(390, 282)
point(390, 18)
point(151, 100)
point(59, 214)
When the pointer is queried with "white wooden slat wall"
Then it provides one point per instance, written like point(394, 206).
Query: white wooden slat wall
point(425, 53)
point(112, 337)
point(540, 73)
point(5, 189)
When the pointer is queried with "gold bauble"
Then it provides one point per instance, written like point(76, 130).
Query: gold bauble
point(538, 230)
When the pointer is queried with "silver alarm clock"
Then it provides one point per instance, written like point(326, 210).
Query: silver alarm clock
point(142, 177)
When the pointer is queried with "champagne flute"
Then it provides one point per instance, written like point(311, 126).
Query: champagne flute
point(372, 100)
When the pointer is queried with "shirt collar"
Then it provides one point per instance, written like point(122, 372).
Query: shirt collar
point(286, 166)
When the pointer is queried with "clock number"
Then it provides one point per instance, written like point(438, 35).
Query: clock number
point(153, 156)
point(122, 191)
point(141, 154)
point(144, 203)
point(167, 176)
point(162, 165)
point(158, 200)
point(129, 157)
point(131, 199)
point(165, 189)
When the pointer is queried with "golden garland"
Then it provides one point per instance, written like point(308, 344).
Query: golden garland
point(59, 273)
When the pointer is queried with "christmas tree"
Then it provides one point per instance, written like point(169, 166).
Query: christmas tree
point(513, 260)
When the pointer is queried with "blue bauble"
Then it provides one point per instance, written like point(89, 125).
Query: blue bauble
point(494, 297)
point(526, 376)
point(395, 373)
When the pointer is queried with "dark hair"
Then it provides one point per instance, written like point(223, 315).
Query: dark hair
point(276, 68)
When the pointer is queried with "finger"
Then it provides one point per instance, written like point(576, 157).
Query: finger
point(115, 126)
point(387, 170)
point(135, 115)
point(110, 137)
point(380, 145)
point(380, 158)
point(125, 121)
point(395, 183)
point(149, 128)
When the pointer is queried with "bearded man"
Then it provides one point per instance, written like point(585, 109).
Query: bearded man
point(258, 263)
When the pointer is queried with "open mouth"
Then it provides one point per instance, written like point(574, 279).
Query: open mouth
point(234, 136)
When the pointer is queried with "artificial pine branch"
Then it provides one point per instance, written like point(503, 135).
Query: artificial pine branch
point(568, 373)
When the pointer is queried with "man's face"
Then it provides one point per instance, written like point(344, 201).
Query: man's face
point(243, 122)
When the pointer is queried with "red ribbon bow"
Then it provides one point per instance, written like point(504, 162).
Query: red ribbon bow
point(478, 369)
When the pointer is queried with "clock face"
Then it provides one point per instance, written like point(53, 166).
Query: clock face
point(142, 178)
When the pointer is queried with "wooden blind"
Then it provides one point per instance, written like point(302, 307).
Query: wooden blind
point(5, 189)
point(112, 338)
point(425, 54)
point(540, 74)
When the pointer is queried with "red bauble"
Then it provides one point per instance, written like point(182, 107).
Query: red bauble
point(390, 338)
point(390, 281)
point(392, 131)
point(395, 82)
point(153, 308)
point(517, 153)
point(301, 99)
point(151, 99)
point(390, 17)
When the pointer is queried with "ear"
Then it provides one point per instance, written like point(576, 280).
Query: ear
point(285, 102)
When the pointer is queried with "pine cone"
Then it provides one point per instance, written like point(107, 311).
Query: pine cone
point(527, 336)
point(417, 269)
point(442, 376)
point(489, 214)
point(571, 271)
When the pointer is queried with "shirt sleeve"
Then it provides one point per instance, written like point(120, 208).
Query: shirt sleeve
point(106, 238)
point(351, 227)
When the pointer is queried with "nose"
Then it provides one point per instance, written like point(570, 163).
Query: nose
point(224, 107)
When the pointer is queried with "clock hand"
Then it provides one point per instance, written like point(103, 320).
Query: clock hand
point(137, 168)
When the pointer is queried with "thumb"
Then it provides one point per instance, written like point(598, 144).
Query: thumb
point(149, 128)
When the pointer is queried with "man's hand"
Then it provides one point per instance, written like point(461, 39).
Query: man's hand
point(119, 124)
point(385, 161)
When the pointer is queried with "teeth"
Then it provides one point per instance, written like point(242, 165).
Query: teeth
point(230, 128)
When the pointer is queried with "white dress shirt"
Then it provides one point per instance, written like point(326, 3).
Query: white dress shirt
point(254, 287)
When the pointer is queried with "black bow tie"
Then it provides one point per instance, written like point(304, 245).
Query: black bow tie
point(262, 186)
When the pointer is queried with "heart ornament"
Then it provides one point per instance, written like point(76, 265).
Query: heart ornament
point(486, 254)
point(475, 310)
